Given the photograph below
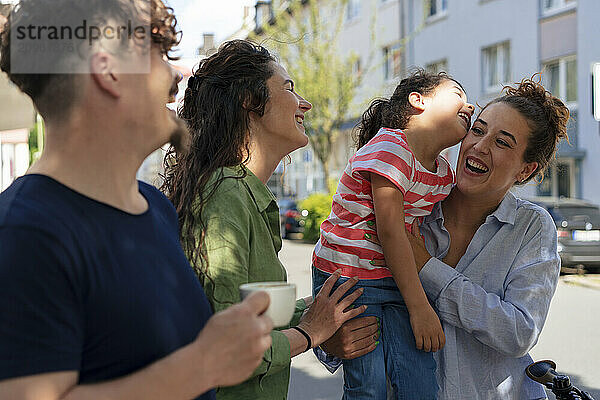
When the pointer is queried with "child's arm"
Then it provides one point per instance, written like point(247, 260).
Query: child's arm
point(388, 203)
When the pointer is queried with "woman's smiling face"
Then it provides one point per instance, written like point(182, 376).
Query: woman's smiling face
point(491, 155)
point(283, 119)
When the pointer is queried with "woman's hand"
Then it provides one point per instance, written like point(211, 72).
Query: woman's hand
point(327, 312)
point(418, 246)
point(416, 242)
point(355, 338)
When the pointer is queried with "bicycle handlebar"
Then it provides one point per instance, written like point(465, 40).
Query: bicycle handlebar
point(544, 372)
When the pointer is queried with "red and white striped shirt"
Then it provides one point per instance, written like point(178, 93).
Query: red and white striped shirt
point(342, 244)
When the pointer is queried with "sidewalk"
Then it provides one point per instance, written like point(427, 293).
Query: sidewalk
point(590, 281)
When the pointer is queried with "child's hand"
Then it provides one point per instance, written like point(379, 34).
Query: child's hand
point(427, 329)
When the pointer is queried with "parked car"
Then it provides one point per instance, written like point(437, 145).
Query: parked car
point(578, 230)
point(290, 218)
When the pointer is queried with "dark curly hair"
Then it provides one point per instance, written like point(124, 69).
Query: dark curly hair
point(547, 117)
point(54, 94)
point(396, 111)
point(222, 92)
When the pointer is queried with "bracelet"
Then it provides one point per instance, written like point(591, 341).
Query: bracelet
point(303, 332)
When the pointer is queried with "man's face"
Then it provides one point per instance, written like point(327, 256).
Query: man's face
point(147, 102)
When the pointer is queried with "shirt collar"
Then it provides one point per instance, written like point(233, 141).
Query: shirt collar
point(260, 193)
point(436, 213)
point(506, 211)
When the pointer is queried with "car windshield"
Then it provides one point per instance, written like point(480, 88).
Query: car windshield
point(287, 205)
point(576, 213)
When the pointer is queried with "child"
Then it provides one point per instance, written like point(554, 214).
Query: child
point(396, 175)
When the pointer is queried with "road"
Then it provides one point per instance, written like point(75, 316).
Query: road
point(571, 336)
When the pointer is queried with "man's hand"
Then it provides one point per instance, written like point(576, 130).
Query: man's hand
point(233, 342)
point(329, 310)
point(226, 351)
point(355, 338)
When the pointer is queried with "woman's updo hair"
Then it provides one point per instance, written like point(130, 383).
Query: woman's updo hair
point(547, 117)
point(396, 111)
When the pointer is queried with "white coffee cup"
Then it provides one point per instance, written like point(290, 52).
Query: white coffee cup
point(283, 299)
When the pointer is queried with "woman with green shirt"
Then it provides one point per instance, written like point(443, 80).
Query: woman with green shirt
point(245, 116)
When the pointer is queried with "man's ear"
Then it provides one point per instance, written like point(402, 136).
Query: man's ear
point(417, 100)
point(103, 68)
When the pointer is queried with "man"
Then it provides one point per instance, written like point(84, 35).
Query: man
point(98, 300)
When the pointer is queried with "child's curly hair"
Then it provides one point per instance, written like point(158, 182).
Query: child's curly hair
point(547, 117)
point(396, 111)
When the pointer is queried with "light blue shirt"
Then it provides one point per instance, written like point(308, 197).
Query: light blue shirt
point(493, 305)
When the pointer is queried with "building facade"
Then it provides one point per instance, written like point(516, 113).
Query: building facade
point(484, 44)
point(487, 44)
point(17, 118)
point(368, 26)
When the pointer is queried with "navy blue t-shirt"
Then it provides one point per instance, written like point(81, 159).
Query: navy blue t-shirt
point(87, 287)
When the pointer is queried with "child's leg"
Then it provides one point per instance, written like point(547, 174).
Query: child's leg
point(364, 377)
point(411, 371)
point(318, 279)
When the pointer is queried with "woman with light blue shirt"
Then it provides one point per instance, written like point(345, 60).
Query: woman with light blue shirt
point(489, 262)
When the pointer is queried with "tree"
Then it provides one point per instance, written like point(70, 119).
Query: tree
point(304, 35)
point(36, 139)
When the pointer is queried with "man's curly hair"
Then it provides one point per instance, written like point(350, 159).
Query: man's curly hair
point(54, 94)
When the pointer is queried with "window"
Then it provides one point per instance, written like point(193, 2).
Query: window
point(306, 29)
point(392, 62)
point(264, 12)
point(552, 5)
point(259, 17)
point(437, 66)
point(352, 9)
point(559, 179)
point(307, 156)
point(560, 78)
point(436, 7)
point(496, 66)
point(356, 67)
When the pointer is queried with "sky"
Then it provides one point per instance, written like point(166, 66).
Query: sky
point(221, 17)
point(195, 17)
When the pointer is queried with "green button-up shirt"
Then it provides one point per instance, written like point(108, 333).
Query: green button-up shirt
point(242, 240)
